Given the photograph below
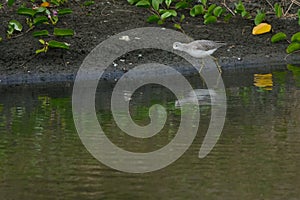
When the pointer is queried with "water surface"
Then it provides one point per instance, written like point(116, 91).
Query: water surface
point(256, 157)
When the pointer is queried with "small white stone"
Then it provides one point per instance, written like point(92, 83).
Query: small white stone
point(239, 59)
point(115, 64)
point(130, 63)
point(140, 55)
point(137, 38)
point(122, 60)
point(125, 38)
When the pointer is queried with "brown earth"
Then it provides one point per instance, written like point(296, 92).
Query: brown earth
point(96, 23)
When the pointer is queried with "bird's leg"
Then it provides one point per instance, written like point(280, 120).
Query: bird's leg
point(217, 63)
point(202, 65)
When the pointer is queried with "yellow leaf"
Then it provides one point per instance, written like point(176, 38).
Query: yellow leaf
point(263, 81)
point(261, 29)
point(45, 4)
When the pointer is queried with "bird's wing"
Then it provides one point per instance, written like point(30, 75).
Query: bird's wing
point(206, 45)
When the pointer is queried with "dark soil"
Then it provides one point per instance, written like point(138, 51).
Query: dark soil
point(96, 23)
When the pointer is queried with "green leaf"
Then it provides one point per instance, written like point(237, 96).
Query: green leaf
point(54, 20)
point(64, 11)
point(153, 18)
point(210, 19)
point(204, 2)
point(132, 1)
point(181, 5)
point(63, 32)
point(239, 7)
point(155, 4)
point(168, 14)
point(246, 14)
point(228, 17)
point(177, 26)
point(168, 3)
point(55, 2)
point(206, 15)
point(143, 3)
point(16, 25)
point(298, 13)
point(294, 46)
point(39, 20)
point(41, 10)
point(218, 11)
point(43, 50)
point(42, 41)
point(26, 11)
point(10, 30)
point(197, 10)
point(296, 37)
point(160, 22)
point(260, 16)
point(278, 37)
point(88, 3)
point(211, 8)
point(278, 9)
point(40, 33)
point(56, 44)
point(10, 2)
point(182, 17)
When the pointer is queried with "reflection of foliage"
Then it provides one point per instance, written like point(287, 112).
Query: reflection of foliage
point(296, 73)
point(280, 79)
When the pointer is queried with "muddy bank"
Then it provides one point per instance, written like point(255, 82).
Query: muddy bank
point(106, 18)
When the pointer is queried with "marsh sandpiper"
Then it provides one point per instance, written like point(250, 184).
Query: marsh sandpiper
point(199, 48)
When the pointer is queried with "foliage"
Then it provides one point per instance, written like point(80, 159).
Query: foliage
point(240, 9)
point(88, 3)
point(169, 9)
point(173, 9)
point(52, 44)
point(294, 44)
point(298, 13)
point(10, 2)
point(13, 26)
point(278, 10)
point(278, 37)
point(47, 13)
point(259, 18)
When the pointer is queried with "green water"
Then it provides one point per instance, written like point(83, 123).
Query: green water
point(256, 157)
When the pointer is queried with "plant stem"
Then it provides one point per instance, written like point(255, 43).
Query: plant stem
point(225, 5)
point(31, 28)
point(270, 4)
point(290, 6)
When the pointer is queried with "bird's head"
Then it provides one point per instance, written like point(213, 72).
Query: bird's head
point(177, 45)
